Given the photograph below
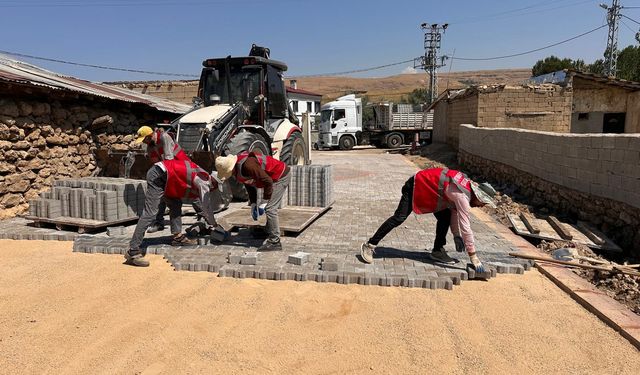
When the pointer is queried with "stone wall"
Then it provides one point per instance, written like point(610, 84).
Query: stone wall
point(460, 111)
point(594, 177)
point(542, 108)
point(46, 135)
point(177, 91)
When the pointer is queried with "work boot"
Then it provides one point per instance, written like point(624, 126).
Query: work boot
point(270, 246)
point(182, 240)
point(155, 227)
point(440, 255)
point(366, 252)
point(136, 259)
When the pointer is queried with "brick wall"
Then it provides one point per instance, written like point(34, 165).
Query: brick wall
point(460, 111)
point(596, 177)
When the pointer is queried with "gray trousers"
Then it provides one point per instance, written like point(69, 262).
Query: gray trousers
point(159, 221)
point(156, 181)
point(273, 224)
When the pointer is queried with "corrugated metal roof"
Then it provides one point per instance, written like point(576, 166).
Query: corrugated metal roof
point(23, 73)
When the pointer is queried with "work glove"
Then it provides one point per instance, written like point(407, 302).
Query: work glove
point(477, 264)
point(459, 244)
point(257, 211)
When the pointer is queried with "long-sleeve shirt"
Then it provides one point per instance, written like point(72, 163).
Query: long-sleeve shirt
point(460, 221)
point(251, 167)
point(211, 197)
point(165, 142)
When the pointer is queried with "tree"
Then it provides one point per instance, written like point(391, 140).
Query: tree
point(417, 97)
point(597, 67)
point(553, 64)
point(628, 63)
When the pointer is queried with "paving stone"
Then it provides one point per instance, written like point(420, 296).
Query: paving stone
point(249, 258)
point(473, 274)
point(298, 258)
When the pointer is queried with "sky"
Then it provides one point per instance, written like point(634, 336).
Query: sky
point(312, 37)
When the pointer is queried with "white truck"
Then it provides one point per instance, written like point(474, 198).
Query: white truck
point(390, 125)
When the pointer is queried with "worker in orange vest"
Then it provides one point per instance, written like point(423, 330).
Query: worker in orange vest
point(259, 171)
point(449, 195)
point(161, 146)
point(174, 180)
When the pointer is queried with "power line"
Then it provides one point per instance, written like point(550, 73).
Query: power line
point(521, 11)
point(630, 19)
point(98, 66)
point(354, 71)
point(530, 51)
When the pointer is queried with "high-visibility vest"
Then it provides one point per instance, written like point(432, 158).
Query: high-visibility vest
point(156, 152)
point(429, 187)
point(274, 168)
point(180, 178)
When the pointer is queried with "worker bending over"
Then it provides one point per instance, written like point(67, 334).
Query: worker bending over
point(259, 171)
point(449, 195)
point(175, 180)
point(161, 146)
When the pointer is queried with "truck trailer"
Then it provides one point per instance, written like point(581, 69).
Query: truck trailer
point(389, 124)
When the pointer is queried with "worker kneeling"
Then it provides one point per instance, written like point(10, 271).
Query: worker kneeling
point(449, 195)
point(259, 171)
point(175, 180)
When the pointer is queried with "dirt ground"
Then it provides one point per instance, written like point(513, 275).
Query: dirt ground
point(64, 312)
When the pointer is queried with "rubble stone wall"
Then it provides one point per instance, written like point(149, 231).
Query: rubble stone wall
point(177, 91)
point(593, 177)
point(44, 137)
point(541, 108)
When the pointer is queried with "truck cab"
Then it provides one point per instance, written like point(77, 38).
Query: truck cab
point(340, 123)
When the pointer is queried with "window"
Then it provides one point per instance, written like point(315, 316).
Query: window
point(338, 114)
point(583, 116)
point(309, 107)
point(317, 107)
point(294, 104)
point(276, 102)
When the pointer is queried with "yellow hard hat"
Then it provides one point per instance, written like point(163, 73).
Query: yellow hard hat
point(143, 132)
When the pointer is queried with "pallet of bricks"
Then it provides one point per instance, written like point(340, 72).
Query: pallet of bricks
point(311, 186)
point(94, 201)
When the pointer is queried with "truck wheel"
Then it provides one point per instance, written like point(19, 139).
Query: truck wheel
point(244, 141)
point(395, 141)
point(346, 143)
point(294, 150)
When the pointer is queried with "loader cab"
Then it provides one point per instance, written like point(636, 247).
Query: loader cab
point(255, 81)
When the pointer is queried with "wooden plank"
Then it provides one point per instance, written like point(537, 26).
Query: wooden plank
point(292, 218)
point(559, 228)
point(528, 221)
point(78, 222)
point(590, 232)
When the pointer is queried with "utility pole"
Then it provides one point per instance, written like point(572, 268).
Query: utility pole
point(611, 53)
point(430, 62)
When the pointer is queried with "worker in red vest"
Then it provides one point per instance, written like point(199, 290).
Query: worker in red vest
point(174, 180)
point(449, 195)
point(259, 171)
point(161, 146)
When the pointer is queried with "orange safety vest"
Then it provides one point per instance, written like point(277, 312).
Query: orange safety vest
point(274, 168)
point(429, 187)
point(180, 178)
point(156, 153)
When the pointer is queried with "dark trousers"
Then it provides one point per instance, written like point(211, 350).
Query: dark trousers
point(405, 207)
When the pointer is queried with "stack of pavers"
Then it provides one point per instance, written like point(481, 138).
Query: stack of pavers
point(311, 186)
point(94, 198)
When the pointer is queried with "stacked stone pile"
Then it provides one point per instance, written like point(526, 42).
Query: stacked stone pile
point(311, 186)
point(96, 198)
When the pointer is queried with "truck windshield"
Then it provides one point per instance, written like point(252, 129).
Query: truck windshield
point(325, 115)
point(245, 85)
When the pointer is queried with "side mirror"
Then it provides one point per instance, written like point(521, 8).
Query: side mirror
point(333, 126)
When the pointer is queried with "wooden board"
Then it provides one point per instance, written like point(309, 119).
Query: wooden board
point(292, 218)
point(82, 225)
point(547, 232)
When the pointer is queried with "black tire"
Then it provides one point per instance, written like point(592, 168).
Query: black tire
point(294, 151)
point(346, 142)
point(394, 141)
point(244, 141)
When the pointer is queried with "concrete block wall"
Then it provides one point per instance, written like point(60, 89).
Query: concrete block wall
point(94, 198)
point(594, 177)
point(460, 111)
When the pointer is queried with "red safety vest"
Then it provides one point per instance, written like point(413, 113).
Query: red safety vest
point(274, 168)
point(156, 153)
point(180, 178)
point(429, 187)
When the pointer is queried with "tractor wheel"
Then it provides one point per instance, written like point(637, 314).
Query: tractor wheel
point(346, 143)
point(244, 141)
point(394, 141)
point(293, 150)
